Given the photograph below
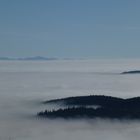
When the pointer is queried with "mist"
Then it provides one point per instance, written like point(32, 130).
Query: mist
point(25, 84)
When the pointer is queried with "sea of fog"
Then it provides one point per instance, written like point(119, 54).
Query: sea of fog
point(25, 84)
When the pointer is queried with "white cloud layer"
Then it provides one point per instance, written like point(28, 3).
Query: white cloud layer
point(24, 85)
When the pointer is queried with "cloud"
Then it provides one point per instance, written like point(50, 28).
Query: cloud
point(24, 85)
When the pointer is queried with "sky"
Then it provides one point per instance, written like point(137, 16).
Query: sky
point(70, 28)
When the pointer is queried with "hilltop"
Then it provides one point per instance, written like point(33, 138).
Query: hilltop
point(82, 106)
point(131, 72)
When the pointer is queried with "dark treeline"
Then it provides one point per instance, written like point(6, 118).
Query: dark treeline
point(100, 100)
point(83, 112)
point(110, 107)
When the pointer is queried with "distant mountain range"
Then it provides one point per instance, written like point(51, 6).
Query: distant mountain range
point(28, 58)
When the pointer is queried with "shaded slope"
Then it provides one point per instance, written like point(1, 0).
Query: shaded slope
point(110, 107)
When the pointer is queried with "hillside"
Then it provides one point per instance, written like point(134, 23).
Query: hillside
point(109, 107)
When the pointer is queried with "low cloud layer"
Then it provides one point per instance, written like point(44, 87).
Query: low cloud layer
point(24, 85)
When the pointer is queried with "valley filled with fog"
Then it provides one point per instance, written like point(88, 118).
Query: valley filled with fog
point(25, 84)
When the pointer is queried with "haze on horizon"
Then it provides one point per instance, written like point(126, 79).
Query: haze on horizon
point(70, 29)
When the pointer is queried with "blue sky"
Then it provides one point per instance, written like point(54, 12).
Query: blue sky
point(70, 28)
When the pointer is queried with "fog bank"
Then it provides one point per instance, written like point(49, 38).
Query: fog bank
point(24, 85)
